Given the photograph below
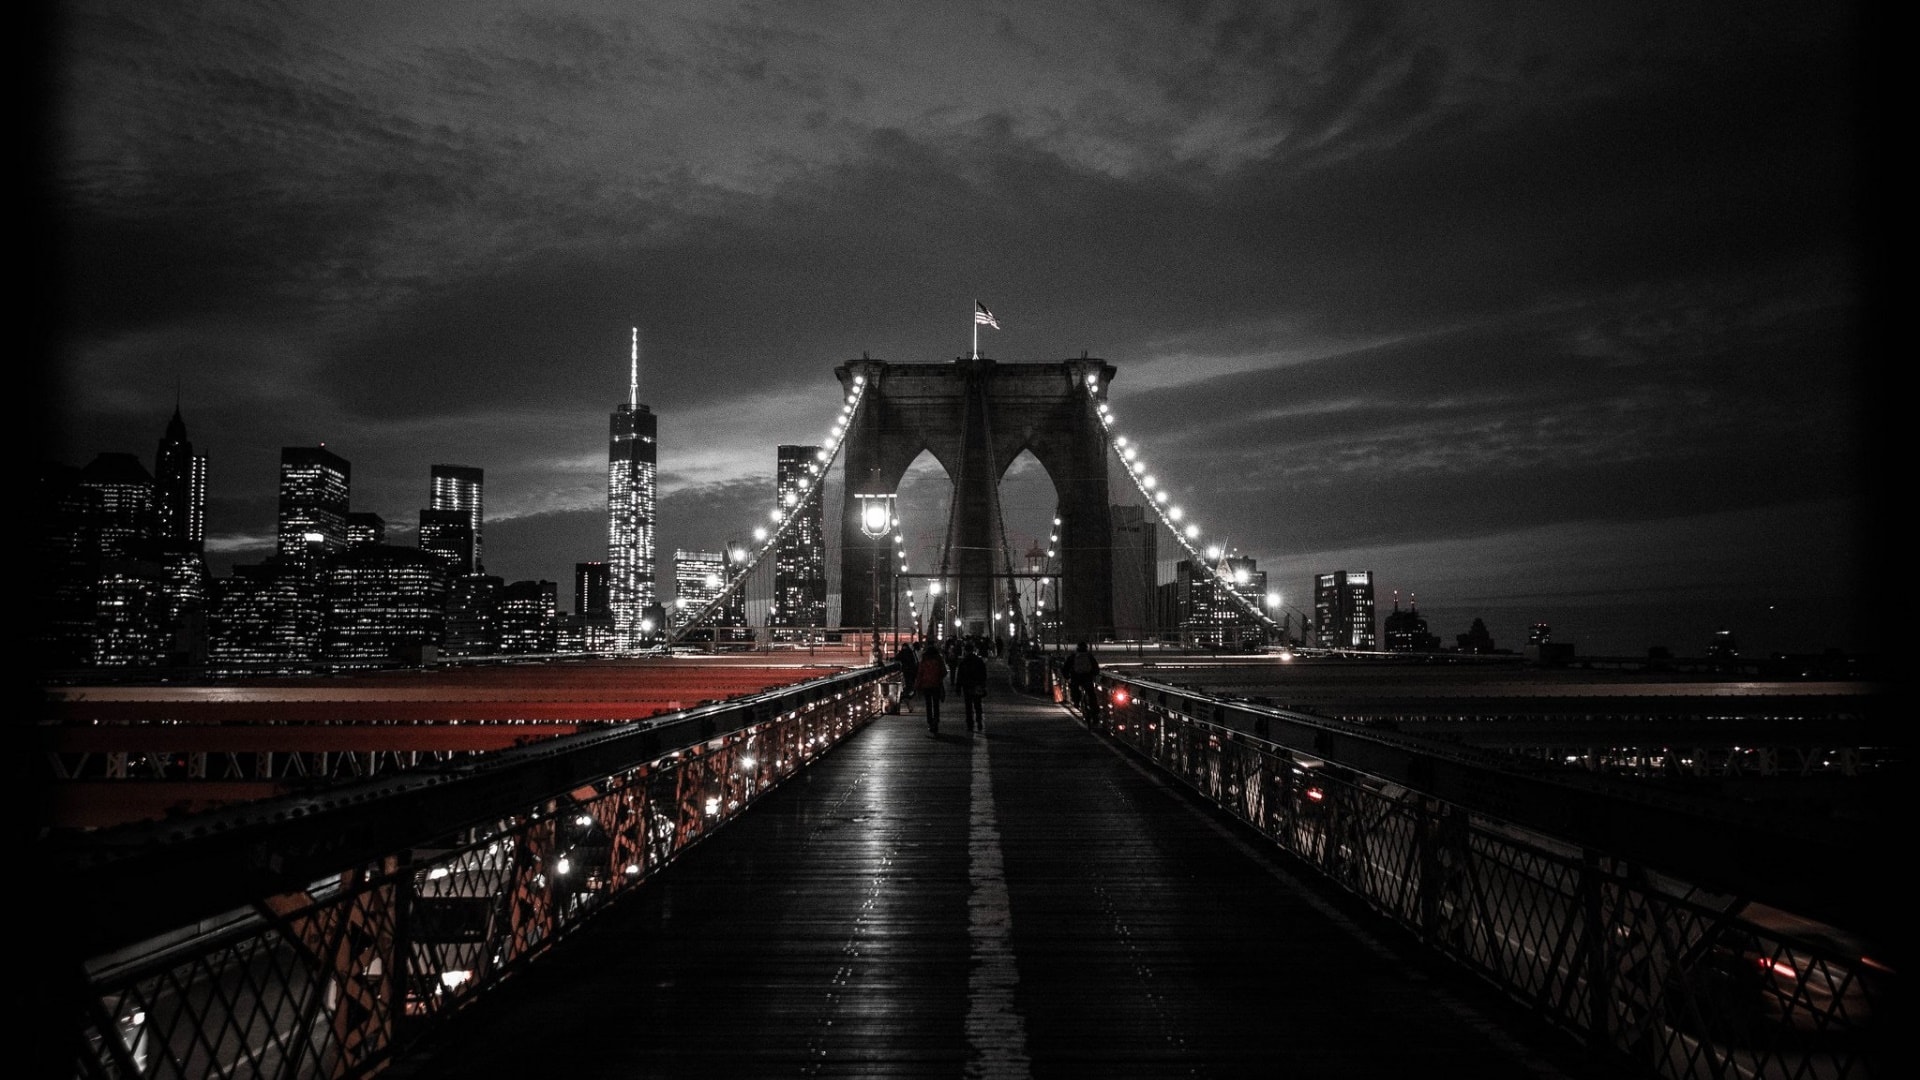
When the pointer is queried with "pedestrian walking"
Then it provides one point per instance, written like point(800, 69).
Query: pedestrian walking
point(908, 660)
point(931, 682)
point(973, 688)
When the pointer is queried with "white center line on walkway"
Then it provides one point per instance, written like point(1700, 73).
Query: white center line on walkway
point(996, 1035)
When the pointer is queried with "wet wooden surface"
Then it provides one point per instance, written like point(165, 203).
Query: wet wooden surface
point(1027, 902)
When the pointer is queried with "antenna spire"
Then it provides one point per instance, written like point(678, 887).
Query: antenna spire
point(633, 378)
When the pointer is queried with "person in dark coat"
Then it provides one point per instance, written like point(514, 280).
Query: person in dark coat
point(1082, 668)
point(930, 680)
point(908, 660)
point(973, 688)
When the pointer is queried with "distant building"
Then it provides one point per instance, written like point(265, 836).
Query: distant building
point(67, 551)
point(447, 535)
point(180, 529)
point(473, 616)
point(800, 558)
point(179, 489)
point(592, 606)
point(365, 527)
point(1343, 610)
point(529, 617)
point(462, 488)
point(124, 525)
point(632, 467)
point(264, 620)
point(1136, 571)
point(1217, 602)
point(1406, 631)
point(131, 613)
point(314, 486)
point(698, 577)
point(1477, 639)
point(381, 605)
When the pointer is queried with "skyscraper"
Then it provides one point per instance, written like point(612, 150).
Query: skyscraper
point(1343, 610)
point(448, 535)
point(591, 605)
point(180, 489)
point(697, 579)
point(1136, 571)
point(314, 483)
point(461, 487)
point(632, 465)
point(800, 561)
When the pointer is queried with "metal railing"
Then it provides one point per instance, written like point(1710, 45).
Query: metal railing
point(1666, 938)
point(319, 936)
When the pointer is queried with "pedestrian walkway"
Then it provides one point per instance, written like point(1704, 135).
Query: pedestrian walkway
point(1030, 902)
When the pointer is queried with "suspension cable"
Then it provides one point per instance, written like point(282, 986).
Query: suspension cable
point(1157, 501)
point(787, 519)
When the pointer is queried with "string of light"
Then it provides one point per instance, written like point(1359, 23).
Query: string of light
point(784, 517)
point(1155, 494)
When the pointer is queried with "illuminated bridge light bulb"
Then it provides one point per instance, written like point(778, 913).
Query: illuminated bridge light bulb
point(1213, 552)
point(859, 380)
point(1159, 496)
point(759, 532)
point(1193, 532)
point(1119, 440)
point(790, 498)
point(1093, 380)
point(1147, 481)
point(776, 514)
point(1173, 513)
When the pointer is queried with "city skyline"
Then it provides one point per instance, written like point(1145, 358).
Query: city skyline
point(1542, 316)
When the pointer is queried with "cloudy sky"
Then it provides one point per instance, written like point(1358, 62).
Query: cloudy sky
point(1540, 311)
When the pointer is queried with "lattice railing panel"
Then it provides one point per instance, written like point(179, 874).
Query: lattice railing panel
point(1650, 973)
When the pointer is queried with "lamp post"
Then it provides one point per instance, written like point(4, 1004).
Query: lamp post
point(876, 521)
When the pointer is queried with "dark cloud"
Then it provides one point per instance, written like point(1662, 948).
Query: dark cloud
point(1420, 284)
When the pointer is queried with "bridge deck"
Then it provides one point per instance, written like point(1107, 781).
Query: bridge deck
point(1027, 903)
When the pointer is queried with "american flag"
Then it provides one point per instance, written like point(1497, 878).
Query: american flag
point(982, 315)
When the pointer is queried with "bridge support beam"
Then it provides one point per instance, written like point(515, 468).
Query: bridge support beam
point(976, 416)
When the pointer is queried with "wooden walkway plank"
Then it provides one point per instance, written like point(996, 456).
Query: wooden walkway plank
point(1027, 903)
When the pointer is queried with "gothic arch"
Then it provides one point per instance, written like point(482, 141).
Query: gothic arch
point(975, 416)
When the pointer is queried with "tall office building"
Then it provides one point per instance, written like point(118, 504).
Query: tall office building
point(1136, 571)
point(365, 527)
point(265, 619)
point(447, 534)
point(461, 487)
point(1343, 610)
point(632, 466)
point(590, 592)
point(1209, 616)
point(313, 503)
point(800, 559)
point(180, 489)
point(529, 617)
point(592, 606)
point(697, 579)
point(382, 604)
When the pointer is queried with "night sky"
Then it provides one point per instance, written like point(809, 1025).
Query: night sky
point(1540, 311)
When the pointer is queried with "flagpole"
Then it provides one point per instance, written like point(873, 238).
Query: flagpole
point(976, 329)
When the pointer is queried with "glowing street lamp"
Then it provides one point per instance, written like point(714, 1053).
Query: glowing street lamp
point(875, 512)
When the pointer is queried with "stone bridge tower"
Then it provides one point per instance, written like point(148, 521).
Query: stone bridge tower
point(976, 416)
